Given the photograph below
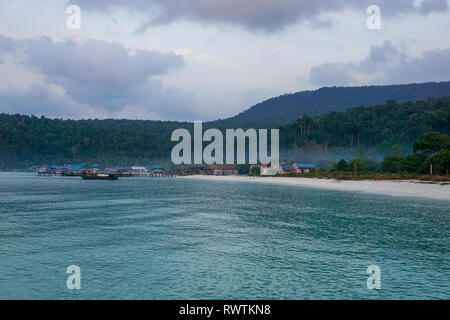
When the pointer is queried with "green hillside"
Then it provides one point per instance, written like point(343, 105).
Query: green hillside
point(390, 128)
point(287, 108)
point(377, 128)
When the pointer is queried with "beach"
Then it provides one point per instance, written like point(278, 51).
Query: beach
point(409, 188)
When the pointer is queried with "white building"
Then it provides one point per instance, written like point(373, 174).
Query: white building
point(138, 170)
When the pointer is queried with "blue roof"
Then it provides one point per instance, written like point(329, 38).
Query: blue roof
point(77, 167)
point(286, 166)
point(306, 165)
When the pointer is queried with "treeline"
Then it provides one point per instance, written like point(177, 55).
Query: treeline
point(27, 140)
point(431, 156)
point(287, 108)
point(389, 127)
point(431, 152)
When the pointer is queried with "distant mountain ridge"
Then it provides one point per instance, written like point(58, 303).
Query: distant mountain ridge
point(28, 140)
point(289, 107)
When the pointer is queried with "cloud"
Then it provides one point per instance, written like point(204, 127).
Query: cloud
point(107, 77)
point(385, 64)
point(428, 6)
point(260, 15)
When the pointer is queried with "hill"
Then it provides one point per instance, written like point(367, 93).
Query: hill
point(27, 140)
point(287, 108)
point(391, 127)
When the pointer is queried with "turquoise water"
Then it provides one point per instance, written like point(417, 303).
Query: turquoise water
point(186, 239)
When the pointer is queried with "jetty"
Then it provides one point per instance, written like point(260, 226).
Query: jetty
point(83, 170)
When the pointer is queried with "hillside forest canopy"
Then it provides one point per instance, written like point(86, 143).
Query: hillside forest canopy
point(386, 130)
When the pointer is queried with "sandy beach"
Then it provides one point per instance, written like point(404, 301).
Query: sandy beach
point(415, 189)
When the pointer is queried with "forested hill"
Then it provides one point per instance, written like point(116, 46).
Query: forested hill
point(287, 108)
point(27, 140)
point(382, 128)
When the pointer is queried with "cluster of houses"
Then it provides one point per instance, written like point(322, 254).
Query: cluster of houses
point(203, 169)
point(284, 167)
point(77, 170)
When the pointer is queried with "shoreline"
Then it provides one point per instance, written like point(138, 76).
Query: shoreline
point(407, 188)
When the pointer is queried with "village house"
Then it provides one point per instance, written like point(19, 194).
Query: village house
point(158, 169)
point(138, 170)
point(287, 168)
point(190, 169)
point(221, 170)
point(304, 167)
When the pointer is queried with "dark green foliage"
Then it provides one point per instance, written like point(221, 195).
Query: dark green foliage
point(31, 140)
point(243, 169)
point(441, 162)
point(356, 166)
point(287, 108)
point(370, 165)
point(370, 128)
point(341, 166)
point(431, 142)
point(414, 163)
point(431, 151)
point(28, 140)
point(255, 171)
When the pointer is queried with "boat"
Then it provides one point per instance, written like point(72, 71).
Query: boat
point(100, 176)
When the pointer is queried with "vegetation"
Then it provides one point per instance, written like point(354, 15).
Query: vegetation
point(27, 140)
point(378, 128)
point(368, 176)
point(243, 169)
point(255, 171)
point(287, 108)
point(432, 149)
point(389, 129)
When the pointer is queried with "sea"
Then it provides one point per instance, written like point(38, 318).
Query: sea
point(171, 238)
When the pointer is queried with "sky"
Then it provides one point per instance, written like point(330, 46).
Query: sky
point(207, 59)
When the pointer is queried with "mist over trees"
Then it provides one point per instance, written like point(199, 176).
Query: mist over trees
point(365, 129)
point(389, 129)
point(287, 108)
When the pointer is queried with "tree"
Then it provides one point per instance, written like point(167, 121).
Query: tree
point(414, 163)
point(243, 169)
point(431, 143)
point(356, 165)
point(255, 171)
point(394, 150)
point(441, 161)
point(341, 166)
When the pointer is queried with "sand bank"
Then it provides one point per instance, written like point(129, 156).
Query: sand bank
point(394, 188)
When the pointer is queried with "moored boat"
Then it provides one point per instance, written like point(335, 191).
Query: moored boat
point(100, 176)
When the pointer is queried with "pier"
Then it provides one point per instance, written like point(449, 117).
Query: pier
point(152, 175)
point(130, 175)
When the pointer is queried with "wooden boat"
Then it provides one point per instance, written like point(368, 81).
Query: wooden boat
point(100, 176)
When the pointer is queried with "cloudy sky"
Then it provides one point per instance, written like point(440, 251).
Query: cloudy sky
point(207, 59)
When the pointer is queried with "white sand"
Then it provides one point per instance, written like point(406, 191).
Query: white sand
point(394, 188)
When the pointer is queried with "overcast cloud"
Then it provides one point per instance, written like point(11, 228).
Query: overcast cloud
point(106, 76)
point(385, 64)
point(266, 15)
point(207, 59)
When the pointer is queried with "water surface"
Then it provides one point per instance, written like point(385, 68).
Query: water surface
point(154, 238)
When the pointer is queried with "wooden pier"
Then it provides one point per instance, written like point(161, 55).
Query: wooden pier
point(49, 174)
point(131, 175)
point(152, 175)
